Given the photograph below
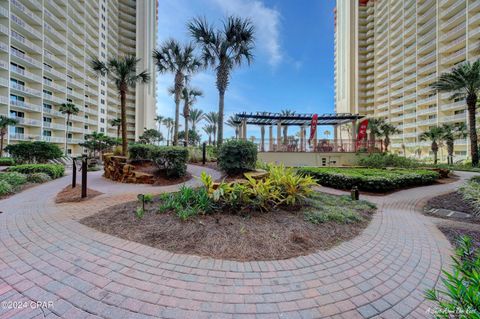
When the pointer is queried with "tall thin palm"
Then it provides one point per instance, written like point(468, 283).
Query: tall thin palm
point(224, 49)
point(212, 118)
point(169, 124)
point(159, 120)
point(189, 97)
point(5, 122)
point(69, 109)
point(123, 72)
point(451, 132)
point(285, 127)
point(196, 116)
point(435, 135)
point(464, 83)
point(233, 122)
point(117, 123)
point(173, 57)
point(209, 130)
point(388, 130)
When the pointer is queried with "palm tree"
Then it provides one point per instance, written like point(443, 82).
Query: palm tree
point(223, 50)
point(169, 124)
point(159, 120)
point(374, 126)
point(5, 122)
point(209, 130)
point(212, 118)
point(123, 72)
point(69, 109)
point(464, 82)
point(285, 128)
point(232, 122)
point(117, 123)
point(196, 115)
point(189, 97)
point(451, 132)
point(180, 60)
point(262, 138)
point(327, 133)
point(434, 134)
point(387, 130)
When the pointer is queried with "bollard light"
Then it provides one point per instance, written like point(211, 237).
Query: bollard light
point(355, 193)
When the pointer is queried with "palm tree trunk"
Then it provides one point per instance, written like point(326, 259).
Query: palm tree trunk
point(262, 142)
point(177, 118)
point(2, 135)
point(450, 148)
point(435, 151)
point(387, 142)
point(66, 133)
point(118, 132)
point(215, 134)
point(285, 136)
point(472, 102)
point(186, 131)
point(221, 108)
point(210, 139)
point(123, 115)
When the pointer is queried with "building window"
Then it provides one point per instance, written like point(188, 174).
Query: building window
point(102, 120)
point(47, 133)
point(102, 130)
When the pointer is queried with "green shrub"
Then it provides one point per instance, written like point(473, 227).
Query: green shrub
point(34, 152)
point(7, 161)
point(461, 297)
point(369, 179)
point(38, 178)
point(171, 158)
point(382, 160)
point(187, 202)
point(138, 151)
point(471, 193)
point(53, 170)
point(5, 188)
point(237, 156)
point(14, 179)
point(195, 154)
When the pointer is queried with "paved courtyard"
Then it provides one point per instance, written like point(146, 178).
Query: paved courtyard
point(47, 256)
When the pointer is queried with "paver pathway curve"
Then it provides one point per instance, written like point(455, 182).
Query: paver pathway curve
point(46, 255)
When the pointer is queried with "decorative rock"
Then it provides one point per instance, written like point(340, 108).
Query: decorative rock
point(257, 174)
point(116, 168)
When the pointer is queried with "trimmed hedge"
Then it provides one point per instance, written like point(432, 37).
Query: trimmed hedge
point(34, 152)
point(369, 179)
point(38, 178)
point(53, 170)
point(173, 159)
point(6, 161)
point(237, 156)
point(382, 160)
point(139, 152)
point(15, 179)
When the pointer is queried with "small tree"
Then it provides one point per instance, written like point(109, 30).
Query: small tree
point(97, 142)
point(196, 115)
point(374, 126)
point(434, 134)
point(193, 137)
point(169, 123)
point(123, 72)
point(189, 97)
point(5, 122)
point(212, 119)
point(118, 124)
point(69, 109)
point(450, 134)
point(150, 136)
point(209, 130)
point(387, 130)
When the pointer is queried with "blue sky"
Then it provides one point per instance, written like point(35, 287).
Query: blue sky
point(294, 61)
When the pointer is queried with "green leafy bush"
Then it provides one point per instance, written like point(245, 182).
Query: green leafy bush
point(187, 202)
point(34, 152)
point(14, 179)
point(237, 156)
point(7, 161)
point(53, 170)
point(5, 188)
point(38, 178)
point(461, 297)
point(382, 160)
point(171, 158)
point(138, 151)
point(471, 193)
point(369, 179)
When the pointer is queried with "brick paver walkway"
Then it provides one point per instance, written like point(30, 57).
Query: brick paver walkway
point(46, 255)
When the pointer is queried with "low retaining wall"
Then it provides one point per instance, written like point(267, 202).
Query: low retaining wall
point(118, 169)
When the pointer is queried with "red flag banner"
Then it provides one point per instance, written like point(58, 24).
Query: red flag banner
point(313, 126)
point(362, 131)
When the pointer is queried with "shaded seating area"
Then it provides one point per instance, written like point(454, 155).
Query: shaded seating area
point(273, 140)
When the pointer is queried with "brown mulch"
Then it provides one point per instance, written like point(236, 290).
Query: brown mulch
point(161, 178)
point(256, 236)
point(212, 165)
point(453, 234)
point(70, 195)
point(452, 201)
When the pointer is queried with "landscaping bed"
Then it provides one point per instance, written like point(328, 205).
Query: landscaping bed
point(70, 195)
point(455, 233)
point(370, 179)
point(250, 235)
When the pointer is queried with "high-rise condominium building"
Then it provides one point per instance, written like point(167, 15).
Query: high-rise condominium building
point(389, 52)
point(45, 51)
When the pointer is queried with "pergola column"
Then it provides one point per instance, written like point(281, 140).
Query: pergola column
point(302, 138)
point(315, 139)
point(279, 135)
point(244, 129)
point(270, 138)
point(354, 135)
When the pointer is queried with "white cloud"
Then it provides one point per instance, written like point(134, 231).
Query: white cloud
point(266, 21)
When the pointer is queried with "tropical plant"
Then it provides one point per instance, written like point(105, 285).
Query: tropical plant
point(233, 123)
point(98, 142)
point(123, 72)
point(69, 109)
point(387, 130)
point(470, 192)
point(169, 124)
point(159, 121)
point(118, 124)
point(224, 49)
point(150, 136)
point(34, 152)
point(189, 97)
point(53, 170)
point(193, 137)
point(435, 135)
point(285, 127)
point(237, 156)
point(464, 83)
point(375, 128)
point(172, 57)
point(209, 129)
point(212, 119)
point(451, 132)
point(5, 122)
point(196, 115)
